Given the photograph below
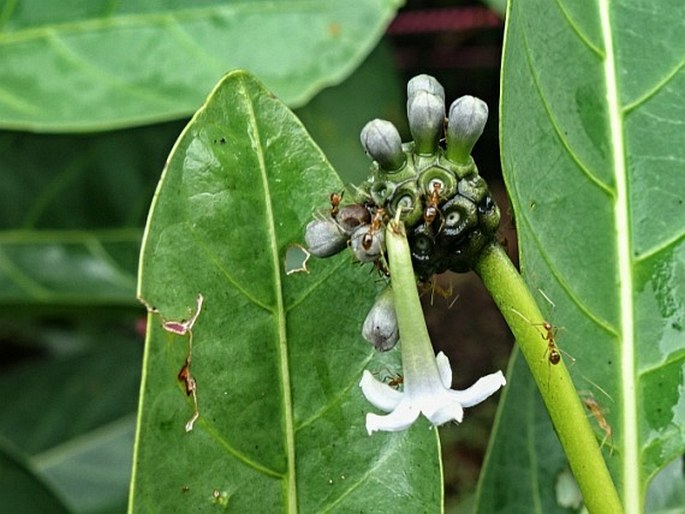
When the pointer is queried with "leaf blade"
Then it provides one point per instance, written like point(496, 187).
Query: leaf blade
point(590, 163)
point(77, 56)
point(210, 232)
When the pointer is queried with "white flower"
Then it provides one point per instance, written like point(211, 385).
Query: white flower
point(426, 391)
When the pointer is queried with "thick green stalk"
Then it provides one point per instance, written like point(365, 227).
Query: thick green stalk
point(413, 331)
point(553, 380)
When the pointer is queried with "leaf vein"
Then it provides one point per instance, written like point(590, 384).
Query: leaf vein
point(658, 86)
point(581, 35)
point(664, 246)
point(22, 280)
point(388, 451)
point(338, 397)
point(556, 273)
point(100, 74)
point(215, 434)
point(557, 130)
point(288, 415)
point(229, 278)
point(315, 285)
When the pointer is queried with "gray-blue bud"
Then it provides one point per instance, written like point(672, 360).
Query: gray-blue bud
point(425, 83)
point(467, 119)
point(383, 143)
point(380, 326)
point(367, 243)
point(426, 116)
point(324, 237)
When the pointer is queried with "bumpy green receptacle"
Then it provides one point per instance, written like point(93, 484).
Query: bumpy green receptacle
point(446, 206)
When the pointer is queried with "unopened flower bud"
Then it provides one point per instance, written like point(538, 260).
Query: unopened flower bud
point(380, 326)
point(351, 216)
point(367, 243)
point(425, 83)
point(467, 119)
point(324, 237)
point(383, 143)
point(426, 116)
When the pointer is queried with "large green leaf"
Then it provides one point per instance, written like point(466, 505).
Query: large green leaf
point(71, 225)
point(73, 419)
point(21, 490)
point(94, 65)
point(593, 98)
point(276, 357)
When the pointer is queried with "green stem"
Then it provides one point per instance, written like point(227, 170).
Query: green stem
point(554, 382)
point(417, 350)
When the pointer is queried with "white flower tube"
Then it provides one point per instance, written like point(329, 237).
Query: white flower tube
point(427, 378)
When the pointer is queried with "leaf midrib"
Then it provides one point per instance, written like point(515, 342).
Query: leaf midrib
point(280, 312)
point(631, 490)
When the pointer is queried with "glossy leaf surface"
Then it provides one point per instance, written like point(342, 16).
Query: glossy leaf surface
point(276, 358)
point(592, 109)
point(95, 65)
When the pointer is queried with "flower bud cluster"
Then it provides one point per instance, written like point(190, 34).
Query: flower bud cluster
point(355, 225)
point(432, 184)
point(433, 181)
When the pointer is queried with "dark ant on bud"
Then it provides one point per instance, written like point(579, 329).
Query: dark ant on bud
point(376, 225)
point(336, 198)
point(431, 211)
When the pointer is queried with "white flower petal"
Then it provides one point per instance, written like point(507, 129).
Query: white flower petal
point(445, 369)
point(399, 419)
point(448, 411)
point(479, 391)
point(378, 393)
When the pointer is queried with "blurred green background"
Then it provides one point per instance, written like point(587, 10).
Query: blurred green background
point(71, 221)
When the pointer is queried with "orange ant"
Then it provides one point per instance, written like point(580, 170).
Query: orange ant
point(376, 225)
point(431, 211)
point(592, 405)
point(336, 198)
point(444, 292)
point(553, 353)
point(395, 381)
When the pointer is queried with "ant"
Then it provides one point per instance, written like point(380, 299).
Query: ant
point(553, 353)
point(444, 292)
point(376, 225)
point(431, 211)
point(336, 198)
point(592, 405)
point(395, 381)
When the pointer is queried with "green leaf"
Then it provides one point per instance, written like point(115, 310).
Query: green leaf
point(57, 400)
point(591, 104)
point(276, 358)
point(73, 417)
point(71, 233)
point(21, 490)
point(98, 65)
point(92, 472)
